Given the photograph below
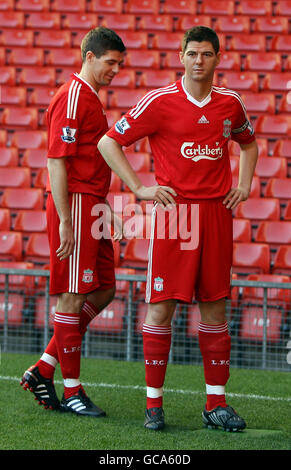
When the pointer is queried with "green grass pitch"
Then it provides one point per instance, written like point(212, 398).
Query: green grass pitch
point(263, 398)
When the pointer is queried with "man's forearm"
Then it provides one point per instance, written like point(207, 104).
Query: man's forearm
point(59, 187)
point(115, 158)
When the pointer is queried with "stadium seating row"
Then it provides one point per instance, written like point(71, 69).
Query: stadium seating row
point(144, 7)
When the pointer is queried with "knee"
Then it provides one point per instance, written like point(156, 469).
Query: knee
point(161, 313)
point(70, 303)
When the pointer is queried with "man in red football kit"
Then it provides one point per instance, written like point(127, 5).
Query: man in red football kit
point(189, 124)
point(81, 264)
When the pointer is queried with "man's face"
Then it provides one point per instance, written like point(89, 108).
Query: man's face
point(103, 69)
point(199, 60)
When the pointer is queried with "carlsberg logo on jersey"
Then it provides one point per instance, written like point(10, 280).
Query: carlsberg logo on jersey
point(188, 150)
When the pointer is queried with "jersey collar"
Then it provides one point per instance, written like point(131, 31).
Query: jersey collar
point(200, 104)
point(84, 81)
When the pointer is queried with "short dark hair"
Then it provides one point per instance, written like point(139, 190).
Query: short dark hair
point(99, 41)
point(199, 34)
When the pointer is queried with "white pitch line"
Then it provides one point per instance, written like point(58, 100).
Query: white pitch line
point(166, 390)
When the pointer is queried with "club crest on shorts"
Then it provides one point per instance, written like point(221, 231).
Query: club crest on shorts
point(68, 135)
point(158, 284)
point(87, 276)
point(226, 128)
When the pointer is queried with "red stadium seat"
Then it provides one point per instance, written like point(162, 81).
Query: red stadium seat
point(119, 200)
point(17, 281)
point(8, 157)
point(164, 41)
point(31, 76)
point(119, 22)
point(126, 99)
point(13, 96)
point(252, 323)
point(3, 138)
point(124, 79)
point(274, 294)
point(240, 81)
point(278, 81)
point(147, 179)
point(282, 260)
point(186, 21)
point(111, 319)
point(136, 253)
point(106, 6)
point(10, 246)
point(283, 8)
point(7, 76)
point(234, 165)
point(143, 7)
point(7, 5)
point(37, 248)
point(279, 188)
point(140, 161)
point(272, 25)
point(271, 167)
point(155, 23)
point(53, 38)
point(43, 20)
point(142, 59)
point(285, 105)
point(251, 258)
point(30, 221)
point(41, 176)
point(247, 43)
point(255, 8)
point(32, 5)
point(259, 102)
point(64, 6)
point(281, 43)
point(172, 61)
point(11, 19)
point(138, 226)
point(61, 58)
point(273, 125)
point(157, 78)
point(179, 7)
point(2, 56)
point(29, 139)
point(22, 198)
point(34, 158)
point(282, 148)
point(287, 214)
point(234, 148)
point(26, 56)
point(15, 177)
point(232, 24)
point(229, 61)
point(19, 118)
point(41, 96)
point(274, 233)
point(115, 184)
point(263, 61)
point(212, 7)
point(76, 21)
point(15, 307)
point(16, 38)
point(258, 209)
point(5, 220)
point(241, 230)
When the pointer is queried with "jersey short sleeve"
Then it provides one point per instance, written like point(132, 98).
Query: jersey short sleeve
point(242, 130)
point(64, 122)
point(138, 122)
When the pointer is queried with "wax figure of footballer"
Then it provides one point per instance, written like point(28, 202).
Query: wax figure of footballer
point(189, 124)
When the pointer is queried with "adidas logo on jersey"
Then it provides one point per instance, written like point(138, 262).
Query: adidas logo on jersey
point(203, 120)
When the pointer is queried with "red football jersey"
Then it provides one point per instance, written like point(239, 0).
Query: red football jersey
point(76, 122)
point(188, 138)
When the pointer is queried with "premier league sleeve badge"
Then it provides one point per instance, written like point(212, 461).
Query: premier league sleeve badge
point(68, 135)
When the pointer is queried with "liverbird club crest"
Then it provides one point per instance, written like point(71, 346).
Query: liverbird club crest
point(226, 128)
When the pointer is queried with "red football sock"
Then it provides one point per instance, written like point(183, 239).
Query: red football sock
point(156, 346)
point(50, 358)
point(215, 345)
point(68, 340)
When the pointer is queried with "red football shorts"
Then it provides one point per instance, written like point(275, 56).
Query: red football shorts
point(91, 266)
point(190, 252)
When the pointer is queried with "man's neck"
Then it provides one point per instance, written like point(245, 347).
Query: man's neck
point(87, 77)
point(198, 90)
